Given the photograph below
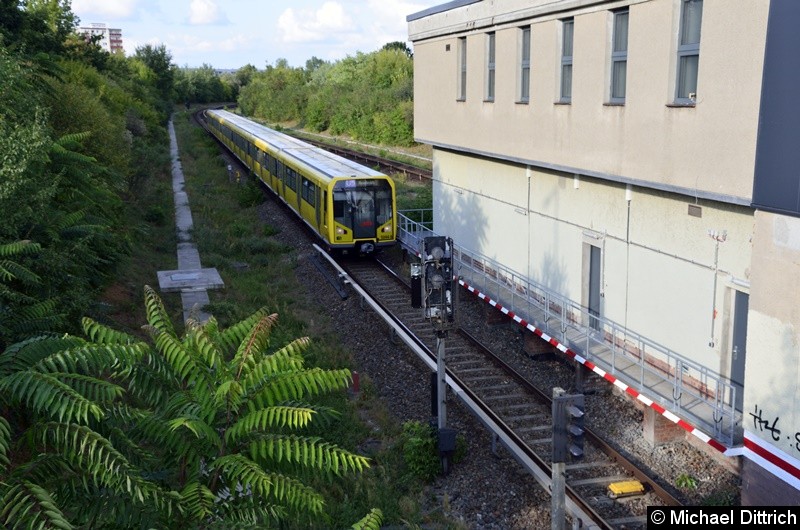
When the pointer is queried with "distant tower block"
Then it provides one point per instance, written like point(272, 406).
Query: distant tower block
point(111, 40)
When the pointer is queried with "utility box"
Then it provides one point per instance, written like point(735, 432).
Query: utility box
point(447, 440)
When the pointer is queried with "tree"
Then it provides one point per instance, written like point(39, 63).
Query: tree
point(186, 431)
point(57, 15)
point(314, 64)
point(159, 60)
point(398, 45)
point(245, 74)
point(35, 26)
point(279, 93)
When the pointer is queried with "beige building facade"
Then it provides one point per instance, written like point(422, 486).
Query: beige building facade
point(629, 155)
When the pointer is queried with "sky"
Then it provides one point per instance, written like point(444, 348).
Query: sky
point(228, 34)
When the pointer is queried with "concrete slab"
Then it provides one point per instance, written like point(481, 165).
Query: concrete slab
point(178, 280)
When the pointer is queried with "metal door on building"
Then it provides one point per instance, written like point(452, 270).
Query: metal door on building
point(594, 286)
point(739, 346)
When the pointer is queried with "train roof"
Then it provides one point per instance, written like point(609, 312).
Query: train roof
point(327, 163)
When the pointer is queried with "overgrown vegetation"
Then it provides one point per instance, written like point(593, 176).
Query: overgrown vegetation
point(233, 236)
point(368, 96)
point(107, 424)
point(81, 132)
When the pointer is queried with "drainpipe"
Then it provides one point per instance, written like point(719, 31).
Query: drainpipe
point(718, 237)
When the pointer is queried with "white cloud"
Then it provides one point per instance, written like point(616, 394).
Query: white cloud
point(308, 25)
point(390, 15)
point(118, 9)
point(203, 12)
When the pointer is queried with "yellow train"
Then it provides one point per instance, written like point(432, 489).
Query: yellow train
point(349, 206)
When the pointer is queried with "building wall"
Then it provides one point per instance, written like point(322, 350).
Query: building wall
point(772, 399)
point(708, 148)
point(658, 277)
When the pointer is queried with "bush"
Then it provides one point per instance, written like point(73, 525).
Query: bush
point(420, 451)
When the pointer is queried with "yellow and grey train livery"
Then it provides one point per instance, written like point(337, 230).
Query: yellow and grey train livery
point(349, 206)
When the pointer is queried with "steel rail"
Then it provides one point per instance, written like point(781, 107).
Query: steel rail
point(575, 506)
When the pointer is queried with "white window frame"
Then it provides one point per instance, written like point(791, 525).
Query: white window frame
point(491, 65)
point(619, 57)
point(567, 50)
point(688, 47)
point(524, 85)
point(461, 94)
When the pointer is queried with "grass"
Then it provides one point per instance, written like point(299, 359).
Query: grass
point(258, 271)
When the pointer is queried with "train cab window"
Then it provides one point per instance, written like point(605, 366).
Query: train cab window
point(383, 203)
point(362, 204)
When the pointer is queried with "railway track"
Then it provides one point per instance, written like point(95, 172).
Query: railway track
point(383, 164)
point(516, 412)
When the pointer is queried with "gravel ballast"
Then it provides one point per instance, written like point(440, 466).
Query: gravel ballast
point(489, 489)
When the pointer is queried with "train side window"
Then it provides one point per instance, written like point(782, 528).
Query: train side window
point(309, 192)
point(291, 178)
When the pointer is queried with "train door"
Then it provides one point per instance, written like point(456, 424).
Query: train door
point(317, 209)
point(323, 208)
point(281, 182)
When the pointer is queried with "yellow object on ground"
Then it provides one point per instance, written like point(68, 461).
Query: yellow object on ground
point(625, 488)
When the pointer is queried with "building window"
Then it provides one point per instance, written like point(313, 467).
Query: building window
point(525, 65)
point(567, 29)
point(462, 68)
point(619, 56)
point(490, 70)
point(689, 51)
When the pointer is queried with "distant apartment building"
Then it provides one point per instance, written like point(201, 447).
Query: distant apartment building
point(111, 40)
point(642, 159)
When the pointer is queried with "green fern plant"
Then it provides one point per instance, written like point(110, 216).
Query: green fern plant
point(21, 315)
point(57, 397)
point(201, 430)
point(371, 521)
point(237, 411)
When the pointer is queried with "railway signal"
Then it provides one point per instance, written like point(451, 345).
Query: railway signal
point(437, 283)
point(434, 290)
point(568, 427)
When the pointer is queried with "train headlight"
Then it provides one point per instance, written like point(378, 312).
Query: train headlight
point(339, 231)
point(386, 229)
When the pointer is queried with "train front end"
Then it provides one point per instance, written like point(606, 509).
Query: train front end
point(364, 216)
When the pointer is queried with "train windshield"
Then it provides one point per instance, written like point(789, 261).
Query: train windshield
point(362, 205)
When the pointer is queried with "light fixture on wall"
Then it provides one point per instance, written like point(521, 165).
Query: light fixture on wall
point(719, 236)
